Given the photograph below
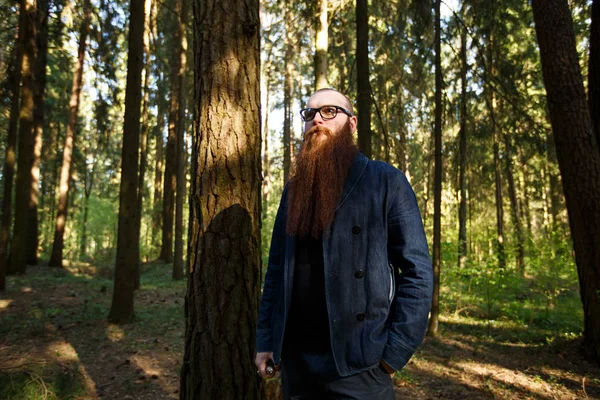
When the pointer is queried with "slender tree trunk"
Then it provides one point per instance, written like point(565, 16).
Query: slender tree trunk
point(287, 97)
point(594, 69)
point(363, 95)
point(143, 136)
point(158, 135)
point(578, 153)
point(432, 329)
point(514, 207)
point(526, 200)
point(32, 241)
point(158, 176)
point(322, 40)
point(462, 154)
point(86, 207)
point(492, 106)
point(11, 155)
point(178, 272)
point(403, 143)
point(170, 183)
point(556, 192)
point(498, 190)
point(266, 186)
point(26, 140)
point(122, 308)
point(178, 260)
point(224, 245)
point(56, 258)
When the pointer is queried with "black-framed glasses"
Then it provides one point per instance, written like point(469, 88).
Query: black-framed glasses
point(327, 112)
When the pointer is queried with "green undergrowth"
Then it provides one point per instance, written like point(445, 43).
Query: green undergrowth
point(540, 306)
point(51, 382)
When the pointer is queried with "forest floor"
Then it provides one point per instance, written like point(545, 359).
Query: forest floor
point(55, 343)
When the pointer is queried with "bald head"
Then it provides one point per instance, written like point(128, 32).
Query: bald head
point(335, 96)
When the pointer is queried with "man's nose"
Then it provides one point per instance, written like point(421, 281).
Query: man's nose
point(318, 119)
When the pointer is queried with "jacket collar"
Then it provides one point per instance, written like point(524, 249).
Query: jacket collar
point(356, 170)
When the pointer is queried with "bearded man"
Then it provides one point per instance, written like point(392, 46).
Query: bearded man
point(349, 280)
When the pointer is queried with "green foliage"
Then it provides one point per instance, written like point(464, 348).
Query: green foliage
point(542, 305)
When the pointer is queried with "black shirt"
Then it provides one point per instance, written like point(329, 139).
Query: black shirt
point(307, 327)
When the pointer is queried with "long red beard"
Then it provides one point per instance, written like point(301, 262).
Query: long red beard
point(316, 187)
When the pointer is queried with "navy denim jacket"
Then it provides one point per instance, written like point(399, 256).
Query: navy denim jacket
point(378, 274)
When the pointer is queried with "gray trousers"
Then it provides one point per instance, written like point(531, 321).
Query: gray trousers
point(307, 376)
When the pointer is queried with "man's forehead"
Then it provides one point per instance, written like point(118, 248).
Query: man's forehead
point(327, 97)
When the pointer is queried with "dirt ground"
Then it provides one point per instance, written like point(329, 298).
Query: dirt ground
point(48, 320)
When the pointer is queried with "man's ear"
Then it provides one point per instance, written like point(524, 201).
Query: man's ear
point(353, 123)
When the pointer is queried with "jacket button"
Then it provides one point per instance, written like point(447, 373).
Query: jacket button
point(360, 317)
point(356, 229)
point(359, 274)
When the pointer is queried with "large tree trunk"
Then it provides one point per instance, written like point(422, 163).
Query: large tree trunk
point(180, 162)
point(56, 257)
point(363, 94)
point(462, 154)
point(578, 153)
point(594, 69)
point(224, 245)
point(432, 329)
point(321, 44)
point(26, 140)
point(121, 310)
point(170, 183)
point(10, 159)
point(32, 241)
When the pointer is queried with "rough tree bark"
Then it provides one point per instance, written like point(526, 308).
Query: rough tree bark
point(16, 262)
point(122, 308)
point(363, 93)
point(224, 245)
point(578, 153)
point(56, 257)
point(594, 69)
point(432, 328)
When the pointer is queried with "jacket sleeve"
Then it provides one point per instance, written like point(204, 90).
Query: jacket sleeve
point(407, 250)
point(273, 280)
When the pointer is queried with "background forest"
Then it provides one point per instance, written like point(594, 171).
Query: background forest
point(101, 143)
